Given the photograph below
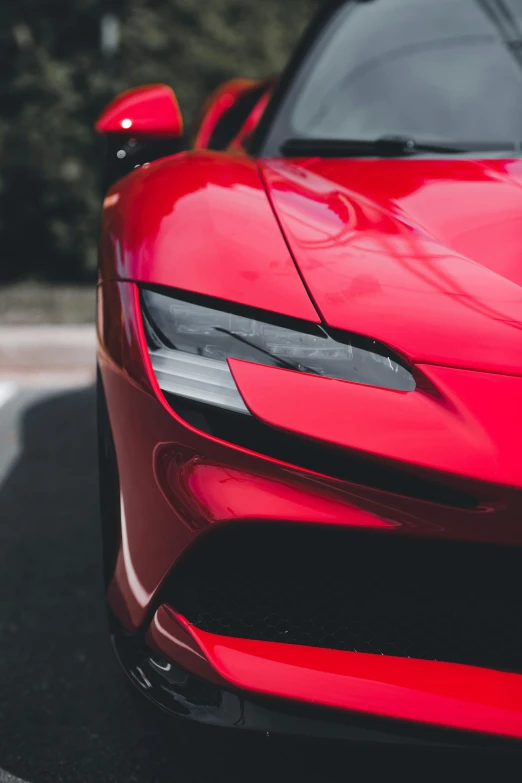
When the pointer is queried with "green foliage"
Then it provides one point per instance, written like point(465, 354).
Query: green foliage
point(55, 81)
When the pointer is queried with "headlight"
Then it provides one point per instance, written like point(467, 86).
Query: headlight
point(189, 345)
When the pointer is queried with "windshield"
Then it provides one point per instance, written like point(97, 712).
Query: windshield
point(438, 70)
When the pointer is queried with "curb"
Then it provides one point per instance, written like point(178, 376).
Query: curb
point(47, 349)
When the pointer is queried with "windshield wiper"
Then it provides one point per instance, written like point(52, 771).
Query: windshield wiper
point(284, 362)
point(383, 147)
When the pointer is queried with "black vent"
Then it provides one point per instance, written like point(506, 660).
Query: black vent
point(329, 587)
point(250, 433)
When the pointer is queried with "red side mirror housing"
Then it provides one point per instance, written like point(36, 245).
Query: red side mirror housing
point(150, 111)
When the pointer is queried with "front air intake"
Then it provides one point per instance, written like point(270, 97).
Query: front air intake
point(333, 588)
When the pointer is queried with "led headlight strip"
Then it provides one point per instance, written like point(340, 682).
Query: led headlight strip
point(198, 378)
point(189, 345)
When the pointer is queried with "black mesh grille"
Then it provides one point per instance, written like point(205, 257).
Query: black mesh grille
point(342, 590)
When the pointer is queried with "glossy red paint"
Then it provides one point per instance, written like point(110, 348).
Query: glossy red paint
point(434, 692)
point(223, 97)
point(143, 558)
point(423, 255)
point(203, 492)
point(456, 421)
point(177, 482)
point(207, 228)
point(149, 111)
point(174, 642)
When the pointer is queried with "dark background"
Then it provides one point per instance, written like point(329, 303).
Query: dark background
point(55, 78)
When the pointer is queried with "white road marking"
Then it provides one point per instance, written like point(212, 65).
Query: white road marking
point(7, 390)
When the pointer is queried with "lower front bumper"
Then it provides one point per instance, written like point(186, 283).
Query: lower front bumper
point(182, 694)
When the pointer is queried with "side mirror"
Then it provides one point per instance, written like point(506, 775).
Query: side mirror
point(150, 111)
point(140, 125)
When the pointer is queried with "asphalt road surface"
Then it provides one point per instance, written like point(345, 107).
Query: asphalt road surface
point(66, 713)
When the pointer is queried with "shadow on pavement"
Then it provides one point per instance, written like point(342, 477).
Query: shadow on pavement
point(65, 710)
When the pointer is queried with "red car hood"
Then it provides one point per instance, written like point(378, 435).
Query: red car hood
point(423, 255)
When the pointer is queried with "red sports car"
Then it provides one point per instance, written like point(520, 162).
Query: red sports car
point(310, 383)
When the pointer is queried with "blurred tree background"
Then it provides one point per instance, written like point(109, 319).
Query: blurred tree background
point(56, 79)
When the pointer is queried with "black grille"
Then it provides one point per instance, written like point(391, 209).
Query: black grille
point(334, 588)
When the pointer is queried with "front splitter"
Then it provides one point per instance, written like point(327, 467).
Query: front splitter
point(181, 694)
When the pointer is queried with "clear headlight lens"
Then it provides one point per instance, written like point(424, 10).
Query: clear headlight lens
point(189, 345)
